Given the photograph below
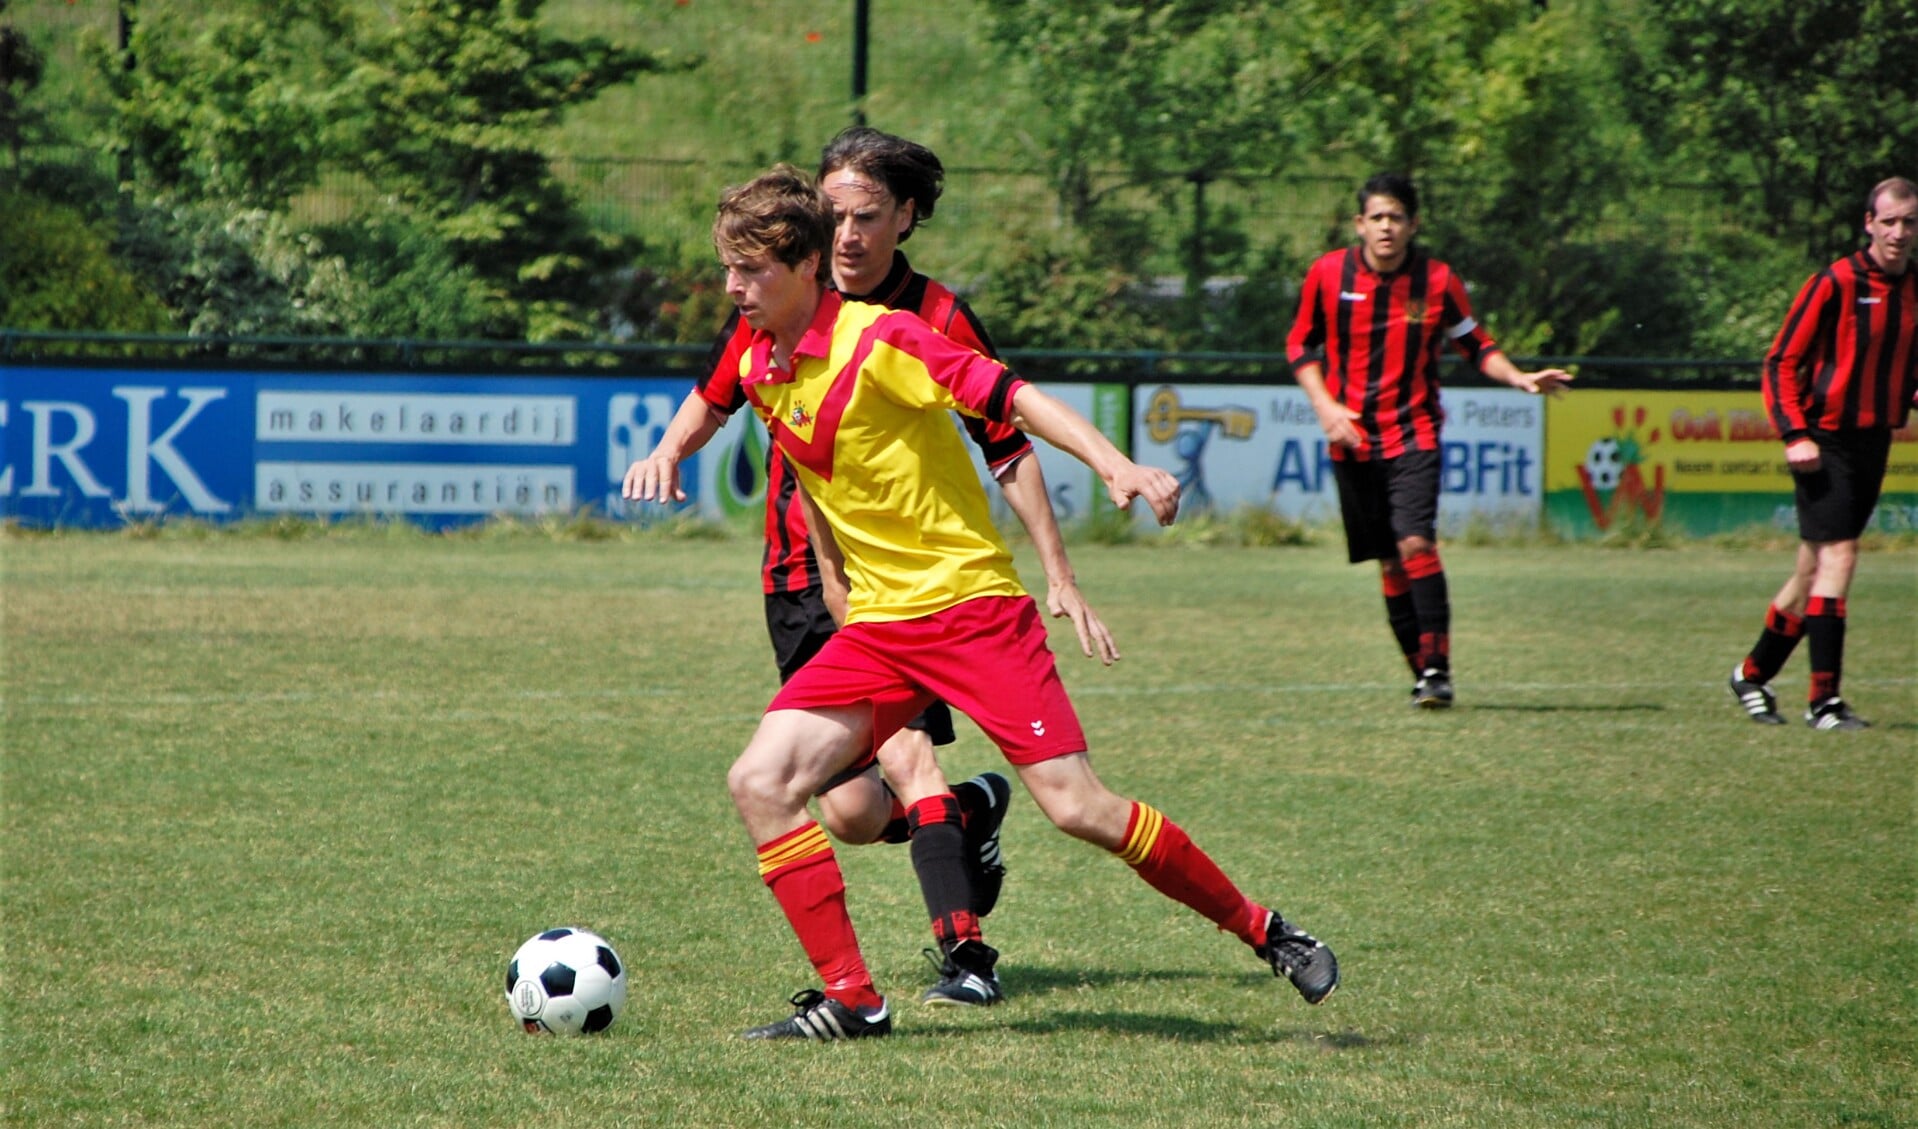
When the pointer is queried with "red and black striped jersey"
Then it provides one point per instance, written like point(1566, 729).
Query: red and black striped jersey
point(1847, 356)
point(789, 565)
point(1378, 338)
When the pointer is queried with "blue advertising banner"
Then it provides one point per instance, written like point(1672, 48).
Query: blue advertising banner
point(1247, 445)
point(93, 447)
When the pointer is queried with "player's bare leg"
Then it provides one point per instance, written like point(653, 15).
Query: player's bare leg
point(790, 756)
point(1162, 854)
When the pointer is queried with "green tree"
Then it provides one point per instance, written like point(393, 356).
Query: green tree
point(21, 68)
point(57, 272)
point(451, 103)
point(233, 271)
point(1145, 107)
point(1795, 107)
point(233, 105)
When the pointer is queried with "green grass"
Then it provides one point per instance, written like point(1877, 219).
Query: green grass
point(278, 808)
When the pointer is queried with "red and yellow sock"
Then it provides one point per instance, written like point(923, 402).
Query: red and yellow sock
point(803, 874)
point(1171, 863)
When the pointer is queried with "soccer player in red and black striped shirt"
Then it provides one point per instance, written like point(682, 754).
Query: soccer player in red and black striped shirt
point(1365, 348)
point(882, 187)
point(1838, 381)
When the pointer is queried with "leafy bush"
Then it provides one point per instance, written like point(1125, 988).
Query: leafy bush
point(58, 273)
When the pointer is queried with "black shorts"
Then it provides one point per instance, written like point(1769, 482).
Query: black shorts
point(799, 624)
point(1384, 501)
point(1835, 501)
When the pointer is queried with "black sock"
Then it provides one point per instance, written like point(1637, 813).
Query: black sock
point(1434, 608)
point(938, 857)
point(1775, 645)
point(1404, 618)
point(1825, 635)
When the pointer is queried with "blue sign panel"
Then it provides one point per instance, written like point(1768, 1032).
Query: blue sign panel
point(92, 447)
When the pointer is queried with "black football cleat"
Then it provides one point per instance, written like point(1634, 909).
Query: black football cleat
point(966, 978)
point(1833, 713)
point(1301, 958)
point(985, 866)
point(1761, 705)
point(1433, 690)
point(825, 1020)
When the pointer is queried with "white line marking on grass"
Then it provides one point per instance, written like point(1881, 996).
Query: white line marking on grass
point(1179, 689)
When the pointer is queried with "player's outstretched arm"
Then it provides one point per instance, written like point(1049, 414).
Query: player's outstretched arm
point(655, 478)
point(1024, 485)
point(1039, 414)
point(1544, 382)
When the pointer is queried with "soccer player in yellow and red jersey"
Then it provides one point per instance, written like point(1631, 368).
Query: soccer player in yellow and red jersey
point(1838, 381)
point(882, 187)
point(857, 397)
point(1365, 348)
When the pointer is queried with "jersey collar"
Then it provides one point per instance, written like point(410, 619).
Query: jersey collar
point(1413, 255)
point(887, 293)
point(815, 342)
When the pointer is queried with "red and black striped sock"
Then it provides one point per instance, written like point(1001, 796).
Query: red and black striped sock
point(939, 858)
point(1401, 613)
point(1433, 605)
point(803, 874)
point(1171, 863)
point(1825, 635)
point(1775, 644)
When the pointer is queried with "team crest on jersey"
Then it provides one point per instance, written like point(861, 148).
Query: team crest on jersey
point(799, 416)
point(1415, 313)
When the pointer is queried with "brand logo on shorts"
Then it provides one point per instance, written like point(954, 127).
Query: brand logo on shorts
point(1038, 729)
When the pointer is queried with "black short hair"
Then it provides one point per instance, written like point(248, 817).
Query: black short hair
point(1396, 185)
point(909, 170)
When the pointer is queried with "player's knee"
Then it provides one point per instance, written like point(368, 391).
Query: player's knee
point(757, 783)
point(910, 763)
point(851, 817)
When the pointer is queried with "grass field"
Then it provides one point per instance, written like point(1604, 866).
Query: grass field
point(277, 812)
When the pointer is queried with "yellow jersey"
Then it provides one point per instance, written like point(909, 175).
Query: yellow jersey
point(864, 417)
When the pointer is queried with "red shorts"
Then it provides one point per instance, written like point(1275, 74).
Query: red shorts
point(986, 657)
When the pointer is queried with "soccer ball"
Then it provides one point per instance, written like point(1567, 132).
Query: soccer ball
point(566, 981)
point(1605, 464)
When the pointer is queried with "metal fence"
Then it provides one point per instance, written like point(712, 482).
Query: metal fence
point(1128, 367)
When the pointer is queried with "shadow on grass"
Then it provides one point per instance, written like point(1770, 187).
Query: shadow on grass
point(1180, 1029)
point(1029, 983)
point(1567, 707)
point(1172, 1028)
point(1026, 980)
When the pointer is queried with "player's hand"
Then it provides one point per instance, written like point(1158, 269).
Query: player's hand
point(1159, 489)
point(1544, 382)
point(1802, 454)
point(1065, 601)
point(654, 478)
point(1336, 420)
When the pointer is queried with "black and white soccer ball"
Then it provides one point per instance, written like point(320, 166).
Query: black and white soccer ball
point(566, 981)
point(1605, 464)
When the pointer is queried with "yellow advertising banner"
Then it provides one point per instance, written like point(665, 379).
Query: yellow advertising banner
point(1710, 459)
